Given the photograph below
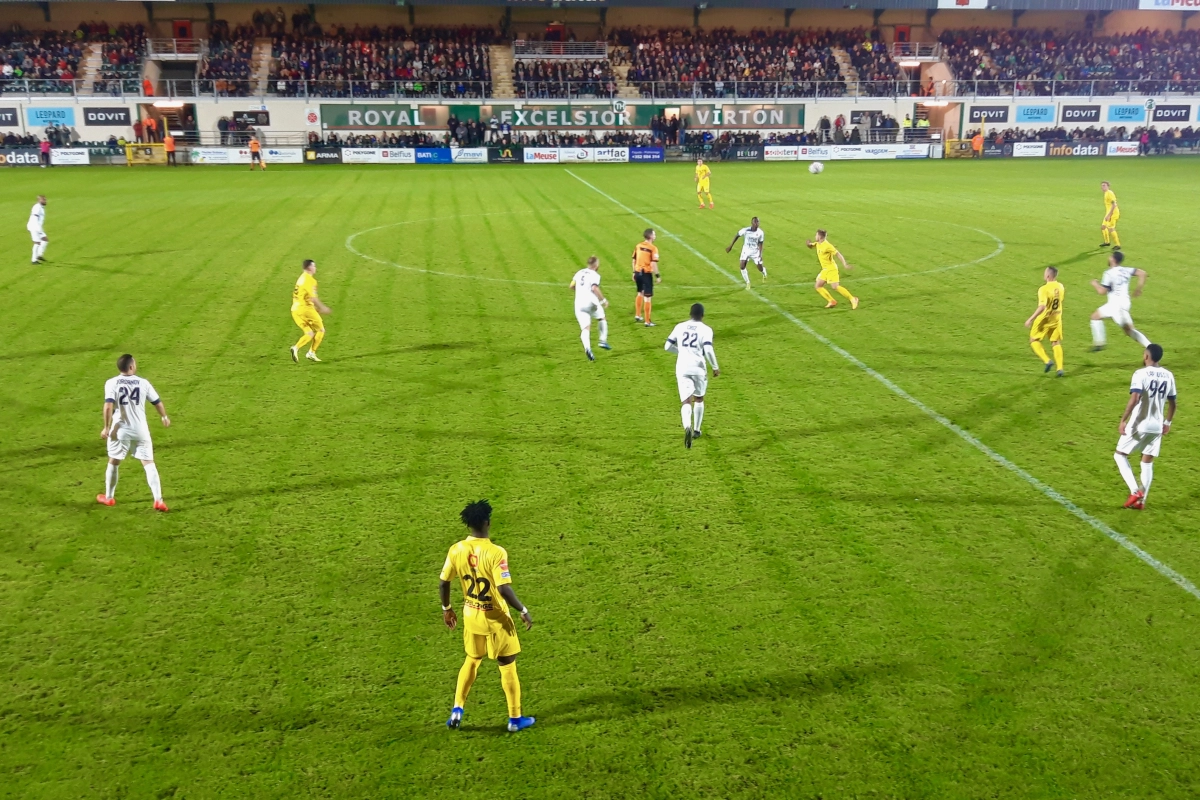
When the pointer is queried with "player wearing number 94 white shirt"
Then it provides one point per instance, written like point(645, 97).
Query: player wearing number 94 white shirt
point(589, 305)
point(1146, 420)
point(126, 429)
point(692, 340)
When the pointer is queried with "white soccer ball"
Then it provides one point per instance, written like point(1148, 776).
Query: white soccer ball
point(816, 168)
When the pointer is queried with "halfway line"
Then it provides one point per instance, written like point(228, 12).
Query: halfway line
point(966, 436)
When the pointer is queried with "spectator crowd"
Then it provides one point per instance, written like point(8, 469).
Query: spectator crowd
point(225, 69)
point(563, 78)
point(48, 59)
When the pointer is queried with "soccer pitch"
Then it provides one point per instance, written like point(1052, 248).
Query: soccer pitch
point(831, 594)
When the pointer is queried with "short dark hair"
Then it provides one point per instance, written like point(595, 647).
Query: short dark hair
point(308, 262)
point(123, 363)
point(477, 514)
point(1053, 271)
point(1155, 351)
point(821, 232)
point(1118, 256)
point(697, 311)
point(646, 233)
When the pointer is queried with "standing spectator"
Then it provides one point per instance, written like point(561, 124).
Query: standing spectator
point(977, 145)
point(223, 128)
point(138, 130)
point(825, 126)
point(45, 156)
point(169, 147)
point(1144, 143)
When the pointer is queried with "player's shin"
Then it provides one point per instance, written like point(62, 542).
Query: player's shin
point(34, 257)
point(585, 336)
point(1116, 239)
point(1098, 335)
point(512, 688)
point(685, 414)
point(603, 331)
point(1040, 351)
point(844, 292)
point(697, 415)
point(1147, 476)
point(110, 480)
point(637, 306)
point(1058, 356)
point(317, 339)
point(153, 480)
point(646, 308)
point(821, 290)
point(1104, 232)
point(305, 339)
point(1126, 472)
point(746, 276)
point(466, 679)
point(1138, 337)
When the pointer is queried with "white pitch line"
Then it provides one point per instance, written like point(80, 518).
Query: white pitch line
point(1047, 490)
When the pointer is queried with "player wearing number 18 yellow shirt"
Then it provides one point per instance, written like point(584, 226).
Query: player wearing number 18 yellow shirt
point(1112, 215)
point(306, 312)
point(826, 253)
point(488, 629)
point(703, 174)
point(1046, 321)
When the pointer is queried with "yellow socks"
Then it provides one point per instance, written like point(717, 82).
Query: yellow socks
point(512, 688)
point(844, 292)
point(825, 293)
point(1104, 232)
point(305, 339)
point(1116, 240)
point(1058, 356)
point(1040, 351)
point(466, 679)
point(317, 340)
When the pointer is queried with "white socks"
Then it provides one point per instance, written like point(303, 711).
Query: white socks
point(603, 330)
point(585, 336)
point(763, 270)
point(686, 413)
point(1127, 472)
point(110, 480)
point(1139, 337)
point(745, 276)
point(39, 249)
point(697, 415)
point(1098, 332)
point(1147, 476)
point(155, 484)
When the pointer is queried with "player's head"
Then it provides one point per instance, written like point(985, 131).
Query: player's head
point(699, 162)
point(1153, 354)
point(1116, 258)
point(649, 235)
point(42, 199)
point(820, 234)
point(594, 263)
point(754, 223)
point(1050, 274)
point(310, 266)
point(697, 311)
point(127, 364)
point(1104, 185)
point(478, 517)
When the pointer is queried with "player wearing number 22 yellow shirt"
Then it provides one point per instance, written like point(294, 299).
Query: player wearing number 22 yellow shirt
point(703, 174)
point(1046, 321)
point(306, 312)
point(488, 629)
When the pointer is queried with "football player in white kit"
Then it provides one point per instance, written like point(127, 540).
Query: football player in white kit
point(1146, 420)
point(37, 228)
point(752, 249)
point(1115, 285)
point(126, 429)
point(692, 340)
point(589, 305)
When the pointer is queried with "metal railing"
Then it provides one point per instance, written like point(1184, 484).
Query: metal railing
point(916, 51)
point(176, 49)
point(550, 51)
point(603, 89)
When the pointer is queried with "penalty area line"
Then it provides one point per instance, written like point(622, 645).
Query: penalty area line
point(1044, 488)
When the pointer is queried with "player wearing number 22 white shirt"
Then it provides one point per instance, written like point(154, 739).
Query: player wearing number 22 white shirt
point(1146, 420)
point(589, 305)
point(692, 340)
point(37, 228)
point(126, 429)
point(1115, 286)
point(752, 249)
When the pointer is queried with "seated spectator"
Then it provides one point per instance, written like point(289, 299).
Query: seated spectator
point(563, 78)
point(225, 70)
point(45, 61)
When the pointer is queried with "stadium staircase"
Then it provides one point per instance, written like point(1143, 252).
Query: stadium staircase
point(500, 59)
point(260, 64)
point(849, 73)
point(624, 90)
point(89, 68)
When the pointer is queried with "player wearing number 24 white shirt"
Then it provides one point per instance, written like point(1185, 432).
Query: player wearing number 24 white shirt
point(1115, 286)
point(752, 249)
point(1146, 420)
point(37, 228)
point(126, 429)
point(589, 305)
point(692, 341)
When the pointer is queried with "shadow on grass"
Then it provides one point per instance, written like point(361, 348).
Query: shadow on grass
point(56, 351)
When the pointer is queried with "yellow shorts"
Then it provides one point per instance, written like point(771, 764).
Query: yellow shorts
point(702, 186)
point(829, 276)
point(1113, 220)
point(308, 320)
point(1046, 329)
point(500, 640)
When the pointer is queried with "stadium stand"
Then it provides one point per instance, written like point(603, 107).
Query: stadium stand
point(49, 60)
point(122, 52)
point(225, 70)
point(561, 79)
point(379, 62)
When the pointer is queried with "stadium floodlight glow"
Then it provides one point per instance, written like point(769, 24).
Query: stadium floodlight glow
point(910, 64)
point(935, 103)
point(168, 104)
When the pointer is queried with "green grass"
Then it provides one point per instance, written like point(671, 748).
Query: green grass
point(831, 595)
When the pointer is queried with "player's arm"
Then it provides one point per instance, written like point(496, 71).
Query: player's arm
point(710, 355)
point(672, 345)
point(321, 307)
point(1108, 216)
point(1099, 287)
point(600, 296)
point(1141, 276)
point(1135, 396)
point(1170, 415)
point(109, 407)
point(736, 236)
point(510, 597)
point(1041, 307)
point(845, 264)
point(162, 412)
point(448, 615)
point(654, 267)
point(633, 265)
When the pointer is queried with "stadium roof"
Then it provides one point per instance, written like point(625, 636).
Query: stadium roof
point(941, 5)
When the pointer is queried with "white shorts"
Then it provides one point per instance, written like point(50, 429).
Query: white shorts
point(1117, 313)
point(752, 255)
point(128, 439)
point(38, 236)
point(691, 385)
point(586, 314)
point(1145, 443)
